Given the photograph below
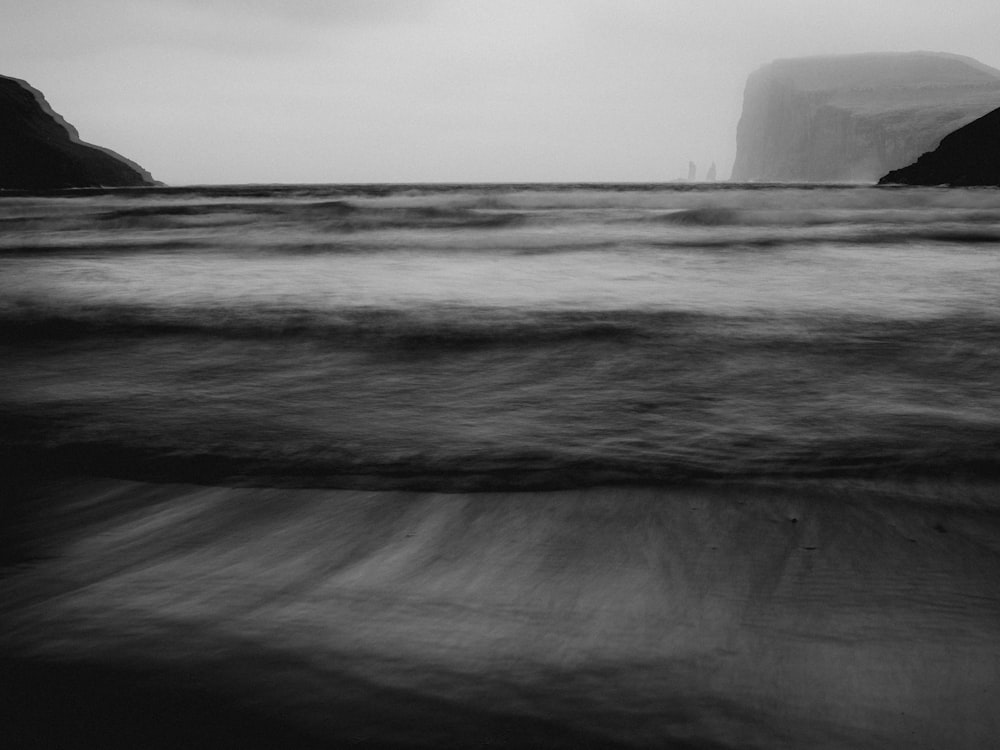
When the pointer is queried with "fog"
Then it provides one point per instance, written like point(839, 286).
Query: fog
point(384, 90)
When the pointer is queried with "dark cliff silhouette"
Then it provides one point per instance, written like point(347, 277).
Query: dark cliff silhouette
point(853, 118)
point(39, 150)
point(969, 156)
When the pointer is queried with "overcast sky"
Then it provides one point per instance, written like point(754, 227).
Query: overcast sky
point(238, 91)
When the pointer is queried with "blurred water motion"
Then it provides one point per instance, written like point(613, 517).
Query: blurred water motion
point(499, 336)
point(574, 466)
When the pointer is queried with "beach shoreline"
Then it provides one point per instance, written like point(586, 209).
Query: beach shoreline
point(786, 614)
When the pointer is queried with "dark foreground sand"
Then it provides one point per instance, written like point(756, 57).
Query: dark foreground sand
point(823, 615)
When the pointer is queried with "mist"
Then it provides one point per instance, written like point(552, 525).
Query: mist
point(227, 92)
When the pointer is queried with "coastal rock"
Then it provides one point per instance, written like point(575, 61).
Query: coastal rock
point(39, 150)
point(969, 156)
point(854, 118)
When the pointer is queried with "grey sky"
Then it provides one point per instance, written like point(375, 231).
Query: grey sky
point(215, 91)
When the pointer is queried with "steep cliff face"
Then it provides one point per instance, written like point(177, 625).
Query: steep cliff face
point(969, 156)
point(853, 118)
point(41, 151)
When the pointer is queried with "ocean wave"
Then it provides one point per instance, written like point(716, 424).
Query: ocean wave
point(342, 226)
point(312, 466)
point(440, 325)
point(332, 215)
point(570, 217)
point(723, 216)
point(461, 325)
point(477, 399)
point(872, 236)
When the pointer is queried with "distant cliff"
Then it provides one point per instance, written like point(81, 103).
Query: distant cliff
point(41, 151)
point(853, 118)
point(969, 156)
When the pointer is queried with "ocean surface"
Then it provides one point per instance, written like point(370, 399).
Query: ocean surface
point(502, 336)
point(696, 467)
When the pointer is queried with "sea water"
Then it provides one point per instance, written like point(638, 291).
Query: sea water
point(502, 336)
point(552, 466)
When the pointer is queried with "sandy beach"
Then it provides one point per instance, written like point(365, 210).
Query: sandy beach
point(810, 614)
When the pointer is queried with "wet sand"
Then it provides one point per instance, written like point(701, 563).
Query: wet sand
point(822, 614)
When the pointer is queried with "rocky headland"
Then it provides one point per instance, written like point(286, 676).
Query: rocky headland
point(968, 157)
point(853, 118)
point(39, 150)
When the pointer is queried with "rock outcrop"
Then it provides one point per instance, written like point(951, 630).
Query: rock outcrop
point(41, 151)
point(854, 118)
point(969, 156)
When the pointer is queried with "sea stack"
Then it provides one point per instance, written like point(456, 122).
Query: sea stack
point(854, 118)
point(968, 157)
point(39, 150)
point(710, 175)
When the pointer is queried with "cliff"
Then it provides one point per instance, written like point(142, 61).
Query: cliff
point(853, 118)
point(969, 156)
point(41, 151)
